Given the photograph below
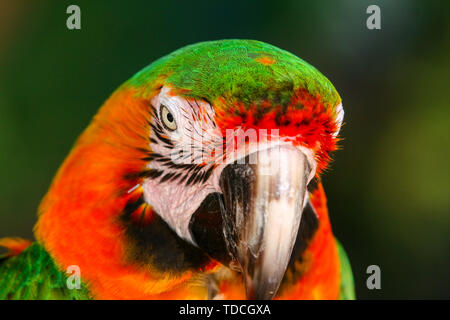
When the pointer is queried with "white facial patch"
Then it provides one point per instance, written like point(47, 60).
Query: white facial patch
point(179, 190)
point(175, 203)
point(339, 118)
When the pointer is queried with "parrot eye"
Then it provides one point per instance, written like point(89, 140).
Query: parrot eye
point(167, 118)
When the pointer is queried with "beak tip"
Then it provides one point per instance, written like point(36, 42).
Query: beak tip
point(259, 293)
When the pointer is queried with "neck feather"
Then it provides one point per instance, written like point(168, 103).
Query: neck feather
point(81, 219)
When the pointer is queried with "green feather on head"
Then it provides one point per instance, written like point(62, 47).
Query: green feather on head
point(245, 71)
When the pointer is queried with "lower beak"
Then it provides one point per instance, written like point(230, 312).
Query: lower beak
point(263, 202)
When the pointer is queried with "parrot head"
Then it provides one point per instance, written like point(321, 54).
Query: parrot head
point(209, 153)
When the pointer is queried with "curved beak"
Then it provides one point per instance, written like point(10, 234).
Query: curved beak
point(263, 201)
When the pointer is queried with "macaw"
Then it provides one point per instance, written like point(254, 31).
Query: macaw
point(199, 178)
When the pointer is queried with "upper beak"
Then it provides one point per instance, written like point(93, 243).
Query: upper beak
point(263, 201)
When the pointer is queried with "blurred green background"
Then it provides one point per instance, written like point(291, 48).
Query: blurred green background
point(388, 188)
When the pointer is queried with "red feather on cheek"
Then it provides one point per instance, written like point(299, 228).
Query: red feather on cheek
point(305, 120)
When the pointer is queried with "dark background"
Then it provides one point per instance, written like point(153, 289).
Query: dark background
point(388, 188)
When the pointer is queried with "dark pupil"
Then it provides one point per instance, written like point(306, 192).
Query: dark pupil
point(169, 117)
